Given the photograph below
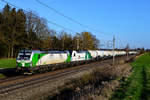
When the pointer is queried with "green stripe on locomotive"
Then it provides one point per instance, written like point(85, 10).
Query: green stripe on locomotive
point(88, 56)
point(68, 58)
point(36, 58)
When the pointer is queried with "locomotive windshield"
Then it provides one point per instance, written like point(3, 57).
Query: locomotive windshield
point(24, 55)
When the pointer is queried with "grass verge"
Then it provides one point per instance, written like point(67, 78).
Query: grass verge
point(2, 76)
point(137, 86)
point(7, 63)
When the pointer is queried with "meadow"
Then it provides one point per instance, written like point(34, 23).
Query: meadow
point(137, 85)
point(7, 63)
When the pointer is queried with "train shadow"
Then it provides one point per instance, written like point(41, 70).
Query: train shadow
point(9, 72)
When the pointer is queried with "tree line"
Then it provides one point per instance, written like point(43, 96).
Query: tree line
point(26, 30)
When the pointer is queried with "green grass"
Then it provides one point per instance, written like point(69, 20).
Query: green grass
point(7, 63)
point(137, 86)
point(2, 76)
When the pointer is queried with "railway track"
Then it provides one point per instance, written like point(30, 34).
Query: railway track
point(11, 87)
point(16, 85)
point(17, 77)
point(8, 79)
point(4, 80)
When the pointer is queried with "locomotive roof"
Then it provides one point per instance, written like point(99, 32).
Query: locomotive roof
point(30, 51)
point(38, 51)
point(56, 51)
point(81, 51)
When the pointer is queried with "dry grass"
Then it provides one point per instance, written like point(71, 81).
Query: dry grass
point(98, 84)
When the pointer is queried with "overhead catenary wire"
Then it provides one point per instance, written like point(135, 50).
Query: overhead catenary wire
point(51, 22)
point(67, 17)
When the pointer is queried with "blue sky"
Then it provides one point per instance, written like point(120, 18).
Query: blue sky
point(128, 20)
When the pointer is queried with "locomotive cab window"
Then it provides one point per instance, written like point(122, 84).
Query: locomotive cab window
point(24, 55)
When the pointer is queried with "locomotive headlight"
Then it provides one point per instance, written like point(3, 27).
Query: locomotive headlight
point(31, 64)
point(23, 64)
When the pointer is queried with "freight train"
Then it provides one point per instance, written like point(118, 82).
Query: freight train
point(34, 58)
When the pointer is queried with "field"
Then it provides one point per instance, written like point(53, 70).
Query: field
point(137, 86)
point(7, 63)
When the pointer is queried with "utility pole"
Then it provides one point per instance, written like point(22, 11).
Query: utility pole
point(77, 41)
point(127, 51)
point(63, 42)
point(113, 50)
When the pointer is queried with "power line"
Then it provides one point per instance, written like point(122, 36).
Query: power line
point(61, 26)
point(36, 15)
point(67, 17)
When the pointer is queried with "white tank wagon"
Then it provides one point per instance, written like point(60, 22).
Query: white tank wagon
point(119, 53)
point(106, 53)
point(94, 53)
point(99, 53)
point(133, 52)
point(110, 53)
point(102, 53)
point(123, 52)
